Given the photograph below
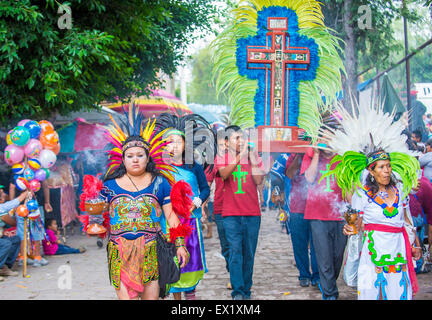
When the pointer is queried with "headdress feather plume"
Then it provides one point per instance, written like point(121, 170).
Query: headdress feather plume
point(367, 130)
point(135, 124)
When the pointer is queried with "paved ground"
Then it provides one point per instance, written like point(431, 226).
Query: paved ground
point(84, 276)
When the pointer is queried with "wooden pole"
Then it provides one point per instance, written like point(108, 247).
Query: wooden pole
point(25, 248)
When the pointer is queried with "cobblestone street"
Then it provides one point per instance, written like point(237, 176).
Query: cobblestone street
point(275, 274)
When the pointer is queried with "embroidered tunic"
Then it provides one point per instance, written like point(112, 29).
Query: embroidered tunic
point(383, 261)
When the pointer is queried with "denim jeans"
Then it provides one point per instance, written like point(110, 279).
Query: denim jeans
point(329, 243)
point(301, 238)
point(420, 225)
point(62, 249)
point(222, 238)
point(210, 209)
point(242, 235)
point(9, 249)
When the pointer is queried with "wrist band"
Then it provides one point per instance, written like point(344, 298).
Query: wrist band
point(180, 242)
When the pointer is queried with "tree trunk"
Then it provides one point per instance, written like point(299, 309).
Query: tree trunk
point(350, 83)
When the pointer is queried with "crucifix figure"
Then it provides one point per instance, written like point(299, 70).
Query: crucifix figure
point(240, 177)
point(328, 178)
point(278, 58)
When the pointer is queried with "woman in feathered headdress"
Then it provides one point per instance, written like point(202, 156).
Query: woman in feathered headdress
point(137, 187)
point(191, 145)
point(371, 151)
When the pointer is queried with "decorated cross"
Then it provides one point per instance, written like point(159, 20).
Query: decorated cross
point(279, 58)
point(240, 177)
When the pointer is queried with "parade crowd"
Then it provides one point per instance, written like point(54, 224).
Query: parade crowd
point(232, 190)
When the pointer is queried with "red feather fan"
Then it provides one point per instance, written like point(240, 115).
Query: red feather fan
point(181, 200)
point(84, 219)
point(182, 230)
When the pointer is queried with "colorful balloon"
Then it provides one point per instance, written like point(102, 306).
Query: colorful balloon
point(18, 168)
point(20, 136)
point(33, 148)
point(49, 139)
point(41, 174)
point(28, 174)
point(34, 215)
point(23, 122)
point(34, 129)
point(13, 154)
point(8, 138)
point(34, 164)
point(46, 126)
point(22, 211)
point(32, 205)
point(56, 149)
point(47, 172)
point(47, 158)
point(21, 184)
point(34, 185)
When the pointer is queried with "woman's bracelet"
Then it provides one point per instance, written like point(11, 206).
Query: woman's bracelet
point(180, 242)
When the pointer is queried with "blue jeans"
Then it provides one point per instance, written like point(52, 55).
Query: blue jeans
point(301, 237)
point(210, 209)
point(62, 249)
point(9, 249)
point(420, 225)
point(242, 235)
point(222, 238)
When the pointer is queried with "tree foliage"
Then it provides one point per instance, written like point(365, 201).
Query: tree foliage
point(113, 48)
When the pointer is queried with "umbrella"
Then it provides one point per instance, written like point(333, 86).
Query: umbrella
point(81, 136)
point(390, 99)
point(157, 102)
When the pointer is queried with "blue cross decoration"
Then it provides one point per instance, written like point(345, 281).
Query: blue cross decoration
point(279, 57)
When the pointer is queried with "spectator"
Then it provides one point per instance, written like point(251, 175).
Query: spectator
point(53, 246)
point(420, 205)
point(416, 136)
point(426, 160)
point(9, 246)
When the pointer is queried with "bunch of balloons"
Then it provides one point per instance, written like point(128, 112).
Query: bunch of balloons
point(32, 149)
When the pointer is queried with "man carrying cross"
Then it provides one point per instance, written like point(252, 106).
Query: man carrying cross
point(242, 171)
point(323, 204)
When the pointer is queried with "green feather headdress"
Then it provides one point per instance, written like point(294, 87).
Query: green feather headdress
point(368, 130)
point(315, 95)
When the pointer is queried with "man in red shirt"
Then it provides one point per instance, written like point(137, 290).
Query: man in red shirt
point(323, 205)
point(242, 172)
point(301, 235)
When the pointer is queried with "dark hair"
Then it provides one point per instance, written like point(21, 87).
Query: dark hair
point(230, 130)
point(120, 171)
point(429, 142)
point(373, 185)
point(418, 133)
point(48, 222)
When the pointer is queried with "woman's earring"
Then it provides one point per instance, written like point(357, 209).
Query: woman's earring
point(372, 179)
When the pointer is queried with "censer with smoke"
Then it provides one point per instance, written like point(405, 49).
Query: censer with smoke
point(96, 219)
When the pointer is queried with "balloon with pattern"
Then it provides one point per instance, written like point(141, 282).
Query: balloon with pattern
point(13, 154)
